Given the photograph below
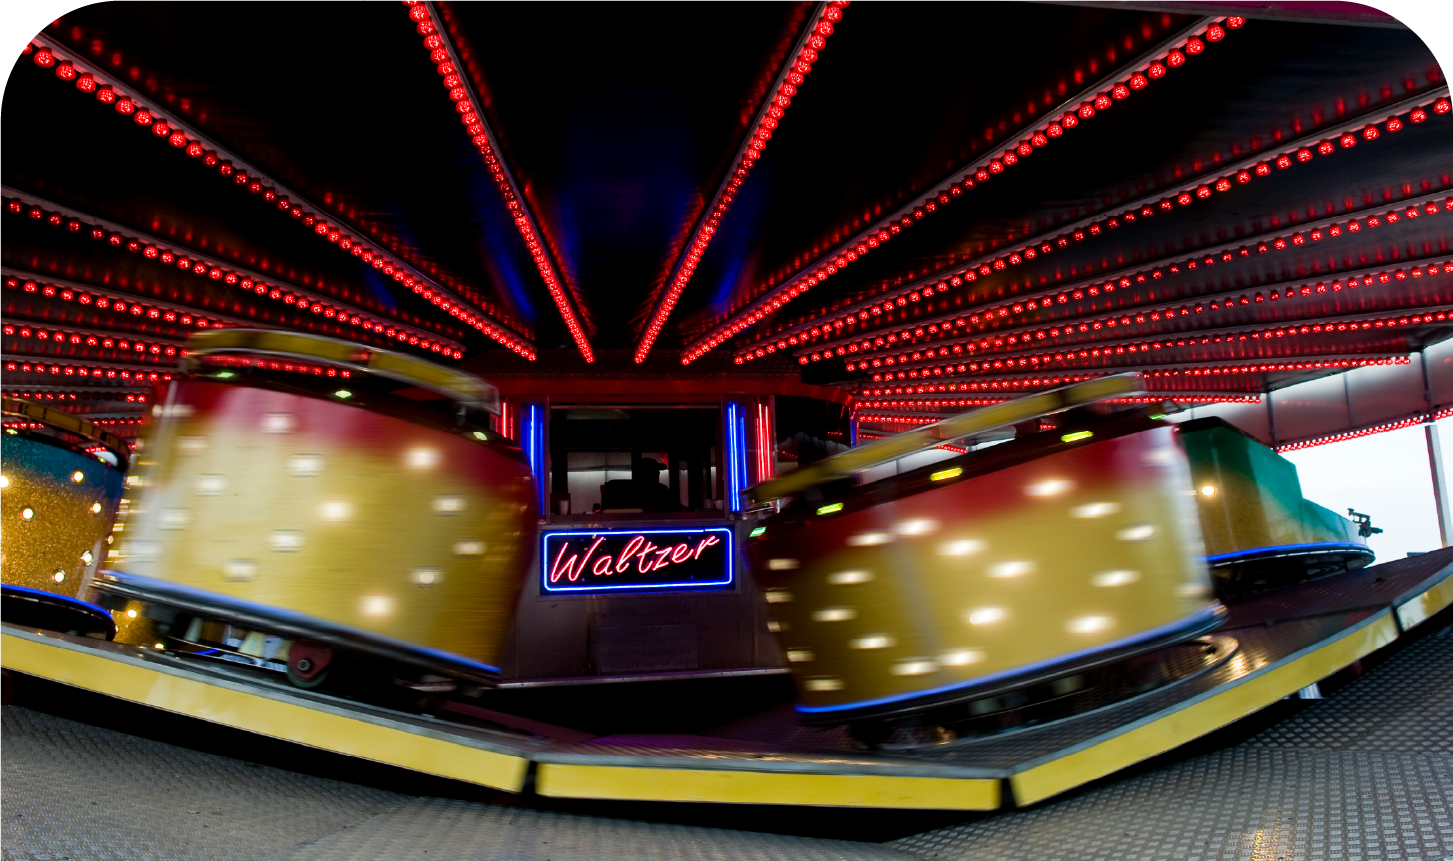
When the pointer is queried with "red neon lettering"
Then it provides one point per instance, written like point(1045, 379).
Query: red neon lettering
point(632, 547)
point(705, 543)
point(638, 551)
point(572, 570)
point(644, 565)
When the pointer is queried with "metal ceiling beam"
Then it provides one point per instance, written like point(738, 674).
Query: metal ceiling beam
point(214, 262)
point(1355, 122)
point(358, 237)
point(1158, 307)
point(679, 275)
point(1139, 273)
point(763, 302)
point(561, 292)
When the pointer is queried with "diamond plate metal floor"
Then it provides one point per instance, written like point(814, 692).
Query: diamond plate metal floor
point(1365, 774)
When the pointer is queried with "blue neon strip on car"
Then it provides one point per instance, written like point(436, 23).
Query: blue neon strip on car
point(63, 598)
point(1152, 634)
point(1291, 550)
point(163, 589)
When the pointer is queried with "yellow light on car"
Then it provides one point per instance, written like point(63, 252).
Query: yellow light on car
point(946, 474)
point(830, 508)
point(1076, 436)
point(1208, 490)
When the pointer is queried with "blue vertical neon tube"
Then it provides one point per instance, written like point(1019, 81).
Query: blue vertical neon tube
point(534, 449)
point(736, 457)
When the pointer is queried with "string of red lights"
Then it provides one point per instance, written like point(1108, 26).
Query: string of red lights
point(1368, 431)
point(942, 326)
point(69, 66)
point(769, 116)
point(445, 57)
point(1186, 192)
point(205, 266)
point(1108, 349)
point(1100, 96)
point(877, 406)
point(1023, 337)
point(113, 301)
point(1167, 373)
point(159, 351)
point(84, 369)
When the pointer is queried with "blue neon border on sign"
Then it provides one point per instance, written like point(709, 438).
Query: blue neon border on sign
point(726, 531)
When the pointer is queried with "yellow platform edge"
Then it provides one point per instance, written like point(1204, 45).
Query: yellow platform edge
point(1418, 610)
point(1202, 716)
point(262, 715)
point(648, 783)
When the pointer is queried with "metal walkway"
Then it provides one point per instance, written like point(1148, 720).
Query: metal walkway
point(1365, 774)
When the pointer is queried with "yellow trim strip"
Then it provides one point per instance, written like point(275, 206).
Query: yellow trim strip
point(1199, 718)
point(647, 783)
point(262, 715)
point(1418, 610)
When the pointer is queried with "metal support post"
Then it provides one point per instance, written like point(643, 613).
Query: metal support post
point(1440, 487)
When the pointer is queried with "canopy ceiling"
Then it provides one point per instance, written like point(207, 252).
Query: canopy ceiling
point(522, 187)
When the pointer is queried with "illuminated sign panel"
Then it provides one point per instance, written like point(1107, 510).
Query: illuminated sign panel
point(637, 559)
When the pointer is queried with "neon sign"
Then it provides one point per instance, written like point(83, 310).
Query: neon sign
point(637, 559)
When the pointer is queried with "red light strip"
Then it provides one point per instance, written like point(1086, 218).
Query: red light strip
point(1220, 367)
point(445, 56)
point(160, 351)
point(292, 367)
point(862, 312)
point(74, 402)
point(766, 446)
point(956, 449)
point(894, 406)
point(133, 374)
point(213, 269)
point(120, 303)
point(1136, 75)
point(769, 114)
point(940, 326)
point(1369, 431)
point(48, 53)
point(1040, 361)
point(1020, 337)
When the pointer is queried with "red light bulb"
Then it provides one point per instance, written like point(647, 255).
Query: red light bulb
point(1418, 115)
point(1139, 81)
point(1235, 22)
point(1348, 140)
point(1325, 147)
point(1102, 101)
point(124, 105)
point(1369, 132)
point(1215, 33)
point(1394, 124)
point(1175, 58)
point(44, 58)
point(1086, 111)
point(1119, 91)
point(65, 71)
point(1442, 106)
point(1195, 46)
